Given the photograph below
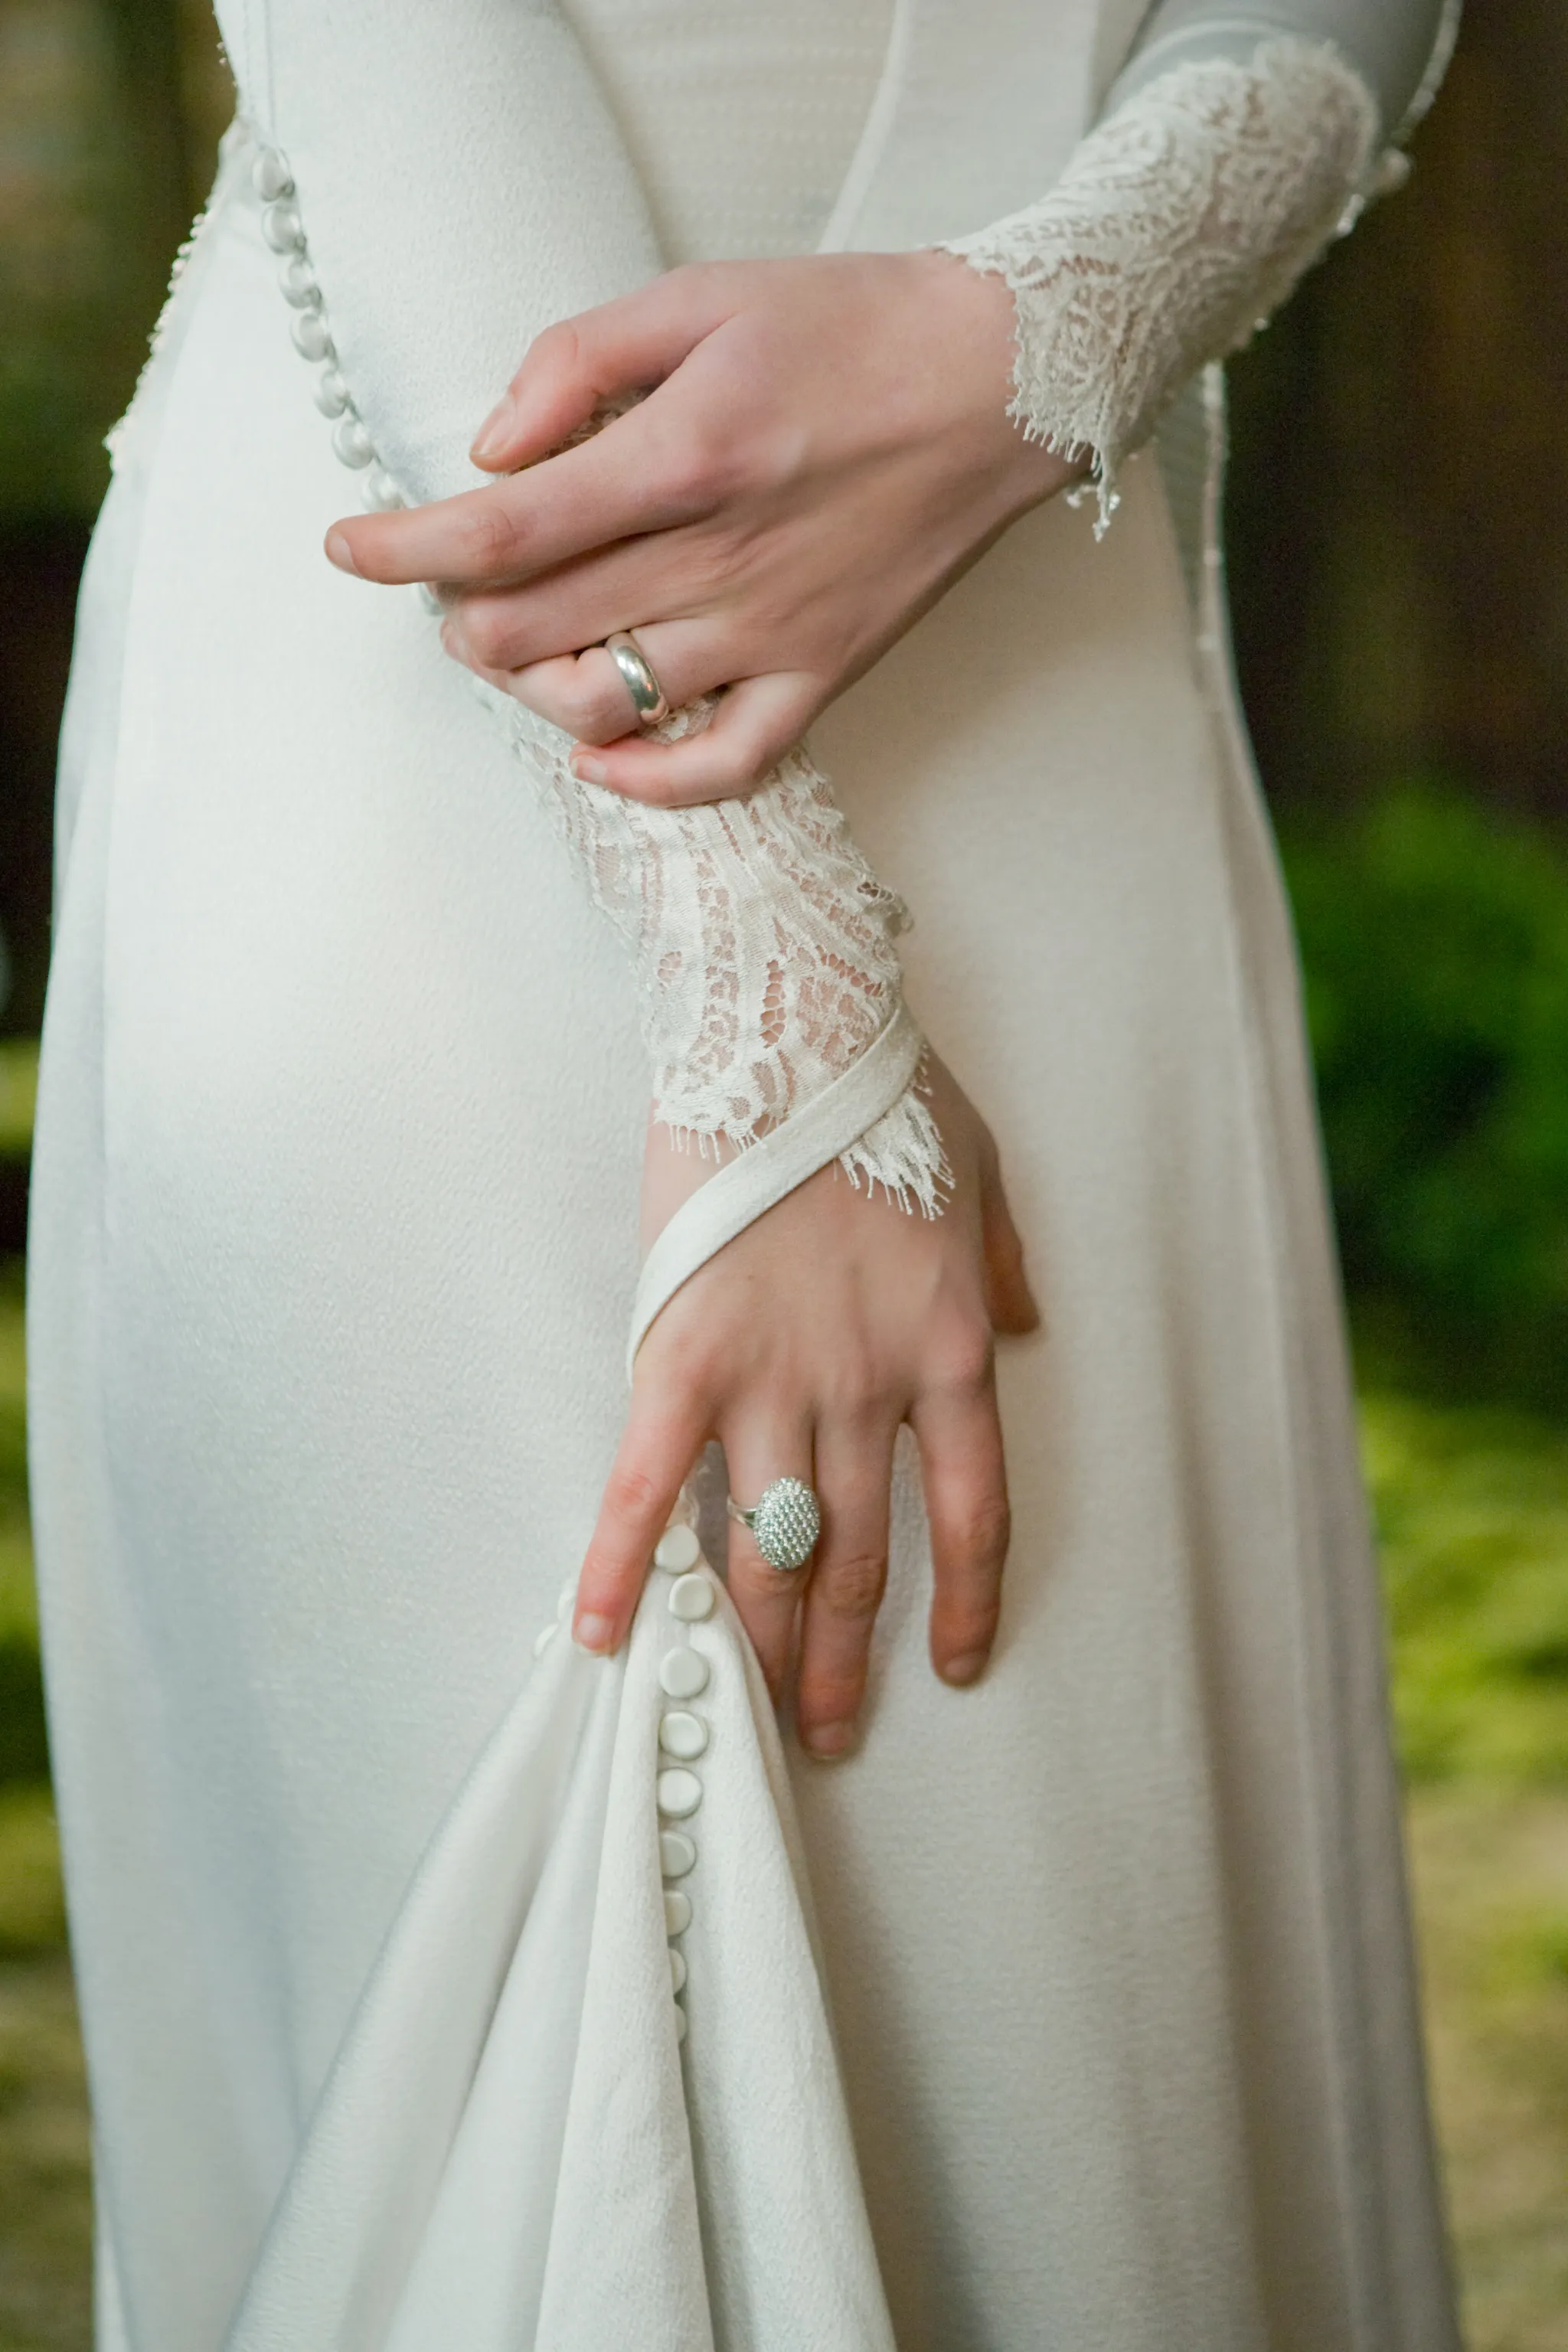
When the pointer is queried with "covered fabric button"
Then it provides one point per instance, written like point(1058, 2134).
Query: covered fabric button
point(677, 1854)
point(678, 1793)
point(676, 1971)
point(298, 280)
point(683, 1673)
point(691, 1598)
point(270, 175)
point(352, 443)
point(282, 228)
point(381, 495)
point(312, 339)
point(682, 1734)
point(677, 1550)
point(329, 392)
point(676, 1905)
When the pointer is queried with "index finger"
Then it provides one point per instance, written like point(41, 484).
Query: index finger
point(657, 1448)
point(627, 479)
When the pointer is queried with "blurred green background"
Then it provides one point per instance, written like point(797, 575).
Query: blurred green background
point(1398, 511)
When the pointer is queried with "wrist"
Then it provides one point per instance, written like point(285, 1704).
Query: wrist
point(977, 349)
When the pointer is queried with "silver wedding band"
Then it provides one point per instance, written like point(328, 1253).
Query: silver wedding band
point(785, 1524)
point(636, 673)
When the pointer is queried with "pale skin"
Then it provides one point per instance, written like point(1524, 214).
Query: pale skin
point(823, 451)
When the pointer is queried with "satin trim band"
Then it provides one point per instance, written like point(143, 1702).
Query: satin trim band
point(762, 1174)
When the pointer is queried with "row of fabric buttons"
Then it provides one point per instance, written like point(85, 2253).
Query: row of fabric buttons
point(284, 230)
point(565, 1605)
point(683, 1734)
point(683, 1670)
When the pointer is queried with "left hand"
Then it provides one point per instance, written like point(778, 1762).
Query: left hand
point(826, 450)
point(803, 1346)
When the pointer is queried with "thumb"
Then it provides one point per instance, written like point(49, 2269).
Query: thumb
point(1009, 1301)
point(598, 360)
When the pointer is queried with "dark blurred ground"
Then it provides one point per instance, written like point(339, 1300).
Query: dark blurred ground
point(1397, 515)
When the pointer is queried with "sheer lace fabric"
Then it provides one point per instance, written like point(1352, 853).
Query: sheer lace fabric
point(1180, 223)
point(763, 947)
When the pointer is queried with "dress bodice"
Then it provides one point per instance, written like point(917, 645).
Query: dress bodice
point(681, 79)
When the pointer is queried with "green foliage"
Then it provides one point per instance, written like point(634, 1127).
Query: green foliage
point(1472, 1518)
point(1435, 940)
point(19, 1096)
point(32, 1903)
point(52, 459)
point(24, 1751)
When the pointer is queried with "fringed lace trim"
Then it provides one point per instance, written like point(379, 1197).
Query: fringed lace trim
point(1178, 226)
point(763, 948)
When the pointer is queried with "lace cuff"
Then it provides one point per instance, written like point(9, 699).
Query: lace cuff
point(1179, 225)
point(762, 945)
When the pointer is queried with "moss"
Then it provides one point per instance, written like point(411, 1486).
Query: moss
point(1471, 1508)
point(1490, 1870)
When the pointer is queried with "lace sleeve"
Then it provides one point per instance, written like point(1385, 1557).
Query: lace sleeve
point(1181, 222)
point(762, 947)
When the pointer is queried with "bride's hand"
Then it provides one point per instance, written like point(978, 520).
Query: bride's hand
point(802, 1347)
point(827, 448)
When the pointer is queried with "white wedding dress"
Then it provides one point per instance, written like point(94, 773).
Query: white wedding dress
point(429, 2002)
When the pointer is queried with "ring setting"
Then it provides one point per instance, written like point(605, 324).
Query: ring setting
point(637, 676)
point(785, 1524)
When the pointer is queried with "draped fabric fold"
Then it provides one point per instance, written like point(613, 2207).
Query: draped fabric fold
point(511, 2129)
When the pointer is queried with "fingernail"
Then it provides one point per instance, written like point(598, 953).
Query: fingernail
point(494, 433)
point(586, 770)
point(597, 1633)
point(967, 1669)
point(340, 552)
point(829, 1740)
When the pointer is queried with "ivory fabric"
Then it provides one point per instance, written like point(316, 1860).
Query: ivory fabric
point(681, 79)
point(333, 1257)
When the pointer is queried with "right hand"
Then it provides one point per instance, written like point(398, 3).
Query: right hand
point(802, 1347)
point(826, 447)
